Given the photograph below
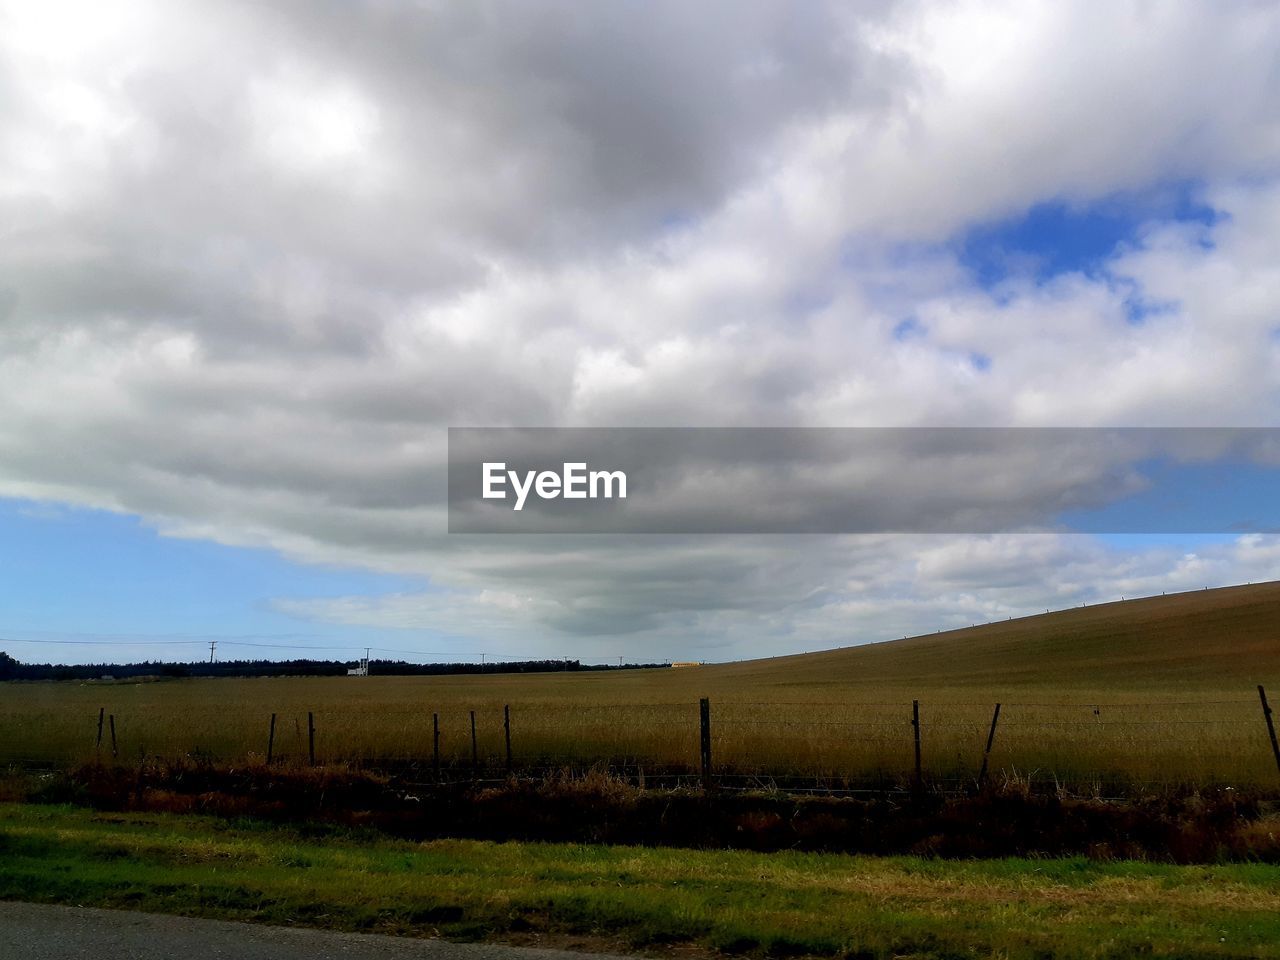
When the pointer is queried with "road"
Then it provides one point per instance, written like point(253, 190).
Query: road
point(42, 932)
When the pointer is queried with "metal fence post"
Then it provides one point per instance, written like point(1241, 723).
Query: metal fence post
point(271, 740)
point(915, 726)
point(506, 731)
point(435, 745)
point(704, 729)
point(311, 738)
point(986, 754)
point(1271, 727)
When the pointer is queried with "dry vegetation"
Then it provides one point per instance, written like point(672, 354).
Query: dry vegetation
point(1154, 690)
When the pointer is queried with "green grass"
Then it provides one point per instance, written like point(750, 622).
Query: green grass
point(735, 902)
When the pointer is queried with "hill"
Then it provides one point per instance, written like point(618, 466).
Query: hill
point(1226, 637)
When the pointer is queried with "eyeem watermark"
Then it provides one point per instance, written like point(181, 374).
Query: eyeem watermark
point(859, 480)
point(573, 482)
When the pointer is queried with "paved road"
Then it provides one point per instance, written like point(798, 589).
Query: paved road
point(40, 932)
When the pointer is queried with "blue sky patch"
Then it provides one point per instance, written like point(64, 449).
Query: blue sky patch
point(69, 573)
point(1189, 502)
point(1057, 236)
point(908, 329)
point(1138, 310)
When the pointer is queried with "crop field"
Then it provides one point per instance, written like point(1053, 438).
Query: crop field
point(1215, 738)
point(1155, 691)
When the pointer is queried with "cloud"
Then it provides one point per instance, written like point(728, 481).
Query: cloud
point(255, 259)
point(741, 596)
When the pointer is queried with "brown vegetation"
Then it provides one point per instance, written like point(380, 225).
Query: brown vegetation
point(1006, 820)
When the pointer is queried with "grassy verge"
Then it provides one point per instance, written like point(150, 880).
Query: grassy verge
point(782, 904)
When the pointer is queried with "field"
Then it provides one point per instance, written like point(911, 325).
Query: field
point(771, 905)
point(1153, 691)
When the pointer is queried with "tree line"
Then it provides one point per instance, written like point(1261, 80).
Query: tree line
point(13, 669)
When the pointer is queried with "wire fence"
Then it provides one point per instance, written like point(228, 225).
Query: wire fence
point(828, 746)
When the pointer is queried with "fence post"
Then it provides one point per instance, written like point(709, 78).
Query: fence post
point(435, 745)
point(1271, 727)
point(915, 726)
point(704, 725)
point(111, 722)
point(101, 712)
point(986, 754)
point(475, 754)
point(311, 738)
point(271, 740)
point(506, 731)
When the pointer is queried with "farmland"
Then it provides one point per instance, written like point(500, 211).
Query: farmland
point(1157, 690)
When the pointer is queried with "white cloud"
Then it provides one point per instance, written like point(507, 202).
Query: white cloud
point(253, 261)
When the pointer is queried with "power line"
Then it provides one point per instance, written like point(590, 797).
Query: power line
point(456, 656)
point(457, 653)
point(108, 643)
point(280, 647)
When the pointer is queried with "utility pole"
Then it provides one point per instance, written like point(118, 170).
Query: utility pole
point(482, 663)
point(213, 645)
point(366, 660)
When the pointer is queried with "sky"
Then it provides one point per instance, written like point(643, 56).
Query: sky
point(256, 259)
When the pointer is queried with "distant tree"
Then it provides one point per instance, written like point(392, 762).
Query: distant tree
point(11, 669)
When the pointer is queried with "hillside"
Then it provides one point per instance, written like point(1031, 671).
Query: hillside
point(1226, 637)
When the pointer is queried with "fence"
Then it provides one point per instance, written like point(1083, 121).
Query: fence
point(830, 746)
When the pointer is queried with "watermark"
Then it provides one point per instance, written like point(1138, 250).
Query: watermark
point(641, 480)
point(573, 482)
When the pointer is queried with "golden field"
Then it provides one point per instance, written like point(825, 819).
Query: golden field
point(1156, 690)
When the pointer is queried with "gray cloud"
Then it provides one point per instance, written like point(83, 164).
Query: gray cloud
point(254, 260)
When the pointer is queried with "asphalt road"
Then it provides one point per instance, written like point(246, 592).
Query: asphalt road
point(40, 932)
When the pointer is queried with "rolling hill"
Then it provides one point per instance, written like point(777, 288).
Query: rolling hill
point(1223, 638)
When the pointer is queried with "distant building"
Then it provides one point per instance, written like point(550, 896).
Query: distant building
point(360, 671)
point(688, 663)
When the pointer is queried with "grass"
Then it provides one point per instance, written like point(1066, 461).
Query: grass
point(734, 902)
point(1154, 690)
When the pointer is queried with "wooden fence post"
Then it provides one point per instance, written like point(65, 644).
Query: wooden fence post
point(506, 730)
point(704, 739)
point(986, 754)
point(111, 722)
point(475, 754)
point(435, 745)
point(101, 713)
point(915, 726)
point(271, 740)
point(311, 738)
point(1271, 727)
